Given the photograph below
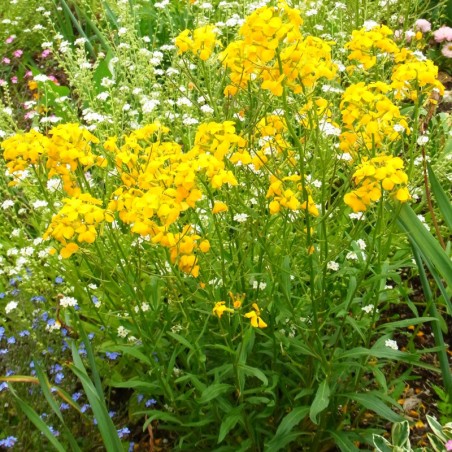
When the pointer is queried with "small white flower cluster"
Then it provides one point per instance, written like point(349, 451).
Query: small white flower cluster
point(11, 306)
point(66, 302)
point(390, 343)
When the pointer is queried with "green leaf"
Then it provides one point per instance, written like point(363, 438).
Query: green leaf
point(381, 444)
point(161, 416)
point(425, 241)
point(406, 323)
point(401, 434)
point(321, 401)
point(229, 422)
point(97, 401)
point(373, 403)
point(37, 421)
point(283, 435)
point(441, 197)
point(343, 441)
point(45, 387)
point(437, 444)
point(254, 372)
point(214, 391)
point(436, 427)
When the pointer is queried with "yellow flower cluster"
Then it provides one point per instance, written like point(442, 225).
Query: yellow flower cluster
point(369, 117)
point(269, 138)
point(372, 176)
point(67, 149)
point(77, 219)
point(413, 78)
point(200, 42)
point(254, 315)
point(288, 197)
point(273, 51)
point(366, 45)
point(24, 149)
point(160, 181)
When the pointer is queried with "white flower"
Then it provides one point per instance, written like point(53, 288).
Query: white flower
point(65, 302)
point(188, 121)
point(123, 332)
point(370, 24)
point(207, 109)
point(332, 265)
point(240, 217)
point(103, 96)
point(368, 309)
point(423, 139)
point(11, 306)
point(311, 12)
point(361, 243)
point(40, 203)
point(399, 128)
point(357, 216)
point(259, 285)
point(79, 41)
point(92, 286)
point(352, 256)
point(7, 204)
point(122, 31)
point(345, 156)
point(391, 344)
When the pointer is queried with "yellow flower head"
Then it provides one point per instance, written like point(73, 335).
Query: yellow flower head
point(255, 318)
point(220, 308)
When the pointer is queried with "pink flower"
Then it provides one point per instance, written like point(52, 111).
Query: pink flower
point(443, 34)
point(447, 52)
point(10, 39)
point(6, 60)
point(28, 74)
point(53, 79)
point(449, 445)
point(398, 35)
point(45, 53)
point(423, 25)
point(3, 82)
point(18, 53)
point(14, 80)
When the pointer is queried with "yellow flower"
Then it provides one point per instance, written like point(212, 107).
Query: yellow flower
point(255, 318)
point(219, 207)
point(220, 308)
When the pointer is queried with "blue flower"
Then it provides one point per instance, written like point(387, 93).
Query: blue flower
point(76, 396)
point(3, 351)
point(2, 295)
point(24, 333)
point(131, 446)
point(140, 397)
point(112, 413)
point(112, 355)
point(59, 280)
point(38, 298)
point(8, 442)
point(11, 340)
point(85, 407)
point(54, 432)
point(64, 406)
point(2, 332)
point(3, 386)
point(150, 402)
point(122, 432)
point(59, 377)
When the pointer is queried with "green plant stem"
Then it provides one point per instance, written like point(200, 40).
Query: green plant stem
point(438, 334)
